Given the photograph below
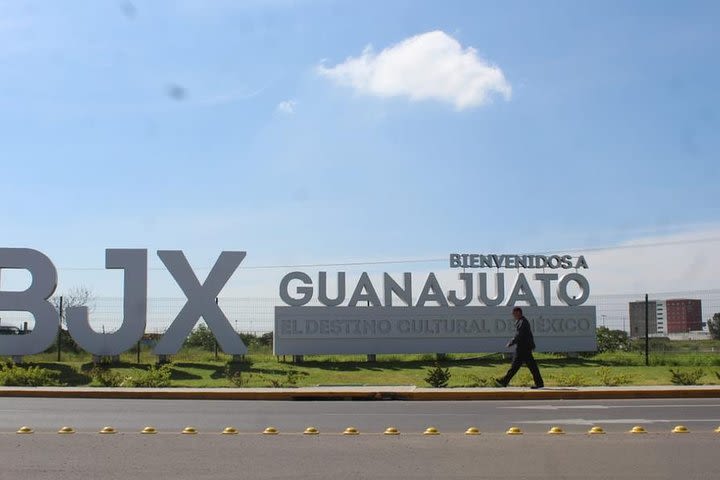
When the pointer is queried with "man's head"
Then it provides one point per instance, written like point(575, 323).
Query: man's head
point(517, 313)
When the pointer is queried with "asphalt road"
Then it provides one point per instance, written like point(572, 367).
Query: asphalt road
point(208, 455)
point(252, 416)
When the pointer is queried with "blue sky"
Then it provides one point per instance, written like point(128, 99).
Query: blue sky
point(210, 126)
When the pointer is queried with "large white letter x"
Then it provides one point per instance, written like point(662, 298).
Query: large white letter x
point(200, 302)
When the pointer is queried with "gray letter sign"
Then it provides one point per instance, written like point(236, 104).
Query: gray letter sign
point(361, 330)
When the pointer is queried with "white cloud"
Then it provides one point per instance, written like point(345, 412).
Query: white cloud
point(287, 107)
point(429, 66)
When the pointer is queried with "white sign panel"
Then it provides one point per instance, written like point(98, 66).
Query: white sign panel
point(362, 330)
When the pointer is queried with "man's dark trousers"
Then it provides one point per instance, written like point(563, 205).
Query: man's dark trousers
point(520, 358)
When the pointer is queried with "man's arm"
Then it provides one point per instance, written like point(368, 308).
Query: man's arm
point(514, 340)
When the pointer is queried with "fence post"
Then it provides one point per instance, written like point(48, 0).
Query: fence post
point(59, 335)
point(647, 331)
point(216, 342)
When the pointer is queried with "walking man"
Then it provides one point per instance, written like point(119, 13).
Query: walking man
point(524, 345)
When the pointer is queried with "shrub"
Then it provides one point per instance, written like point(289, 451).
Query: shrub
point(523, 379)
point(571, 380)
point(237, 377)
point(67, 344)
point(266, 339)
point(438, 377)
point(153, 377)
point(610, 379)
point(714, 326)
point(290, 380)
point(201, 337)
point(686, 377)
point(612, 340)
point(107, 377)
point(18, 376)
point(478, 381)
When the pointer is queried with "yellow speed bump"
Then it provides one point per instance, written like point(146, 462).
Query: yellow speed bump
point(270, 431)
point(472, 431)
point(391, 431)
point(107, 431)
point(149, 431)
point(230, 431)
point(25, 430)
point(311, 431)
point(189, 431)
point(66, 430)
point(680, 429)
point(717, 430)
point(556, 431)
point(514, 431)
point(596, 431)
point(431, 431)
point(351, 431)
point(638, 429)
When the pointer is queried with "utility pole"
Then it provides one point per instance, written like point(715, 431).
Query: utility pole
point(60, 316)
point(647, 331)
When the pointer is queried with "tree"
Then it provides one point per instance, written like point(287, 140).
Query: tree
point(612, 340)
point(75, 297)
point(438, 377)
point(714, 326)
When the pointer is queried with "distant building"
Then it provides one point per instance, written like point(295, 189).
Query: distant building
point(637, 319)
point(666, 317)
point(684, 315)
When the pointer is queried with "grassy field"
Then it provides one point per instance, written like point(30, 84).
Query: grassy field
point(199, 368)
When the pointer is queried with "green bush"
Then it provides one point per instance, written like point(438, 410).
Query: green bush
point(67, 344)
point(612, 340)
point(266, 339)
point(19, 376)
point(107, 377)
point(153, 377)
point(610, 379)
point(438, 377)
point(571, 380)
point(523, 379)
point(714, 326)
point(201, 337)
point(472, 380)
point(290, 380)
point(686, 377)
point(236, 376)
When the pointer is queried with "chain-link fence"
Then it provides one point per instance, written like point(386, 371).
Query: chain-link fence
point(255, 314)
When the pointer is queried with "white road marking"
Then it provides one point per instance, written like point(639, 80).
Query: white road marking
point(603, 407)
point(600, 421)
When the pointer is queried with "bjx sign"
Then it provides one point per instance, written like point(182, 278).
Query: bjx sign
point(133, 262)
point(359, 318)
point(368, 318)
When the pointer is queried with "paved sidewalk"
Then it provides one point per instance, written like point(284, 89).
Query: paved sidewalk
point(383, 392)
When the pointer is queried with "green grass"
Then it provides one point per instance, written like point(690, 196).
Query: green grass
point(199, 368)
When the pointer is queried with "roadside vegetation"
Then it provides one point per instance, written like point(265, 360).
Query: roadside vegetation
point(619, 362)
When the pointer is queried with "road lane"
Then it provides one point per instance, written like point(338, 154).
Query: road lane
point(252, 416)
point(488, 456)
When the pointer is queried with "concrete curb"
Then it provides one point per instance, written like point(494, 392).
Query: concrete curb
point(365, 393)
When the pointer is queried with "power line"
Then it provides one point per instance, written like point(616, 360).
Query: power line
point(436, 260)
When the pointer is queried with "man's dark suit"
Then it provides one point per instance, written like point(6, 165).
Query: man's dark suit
point(524, 345)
